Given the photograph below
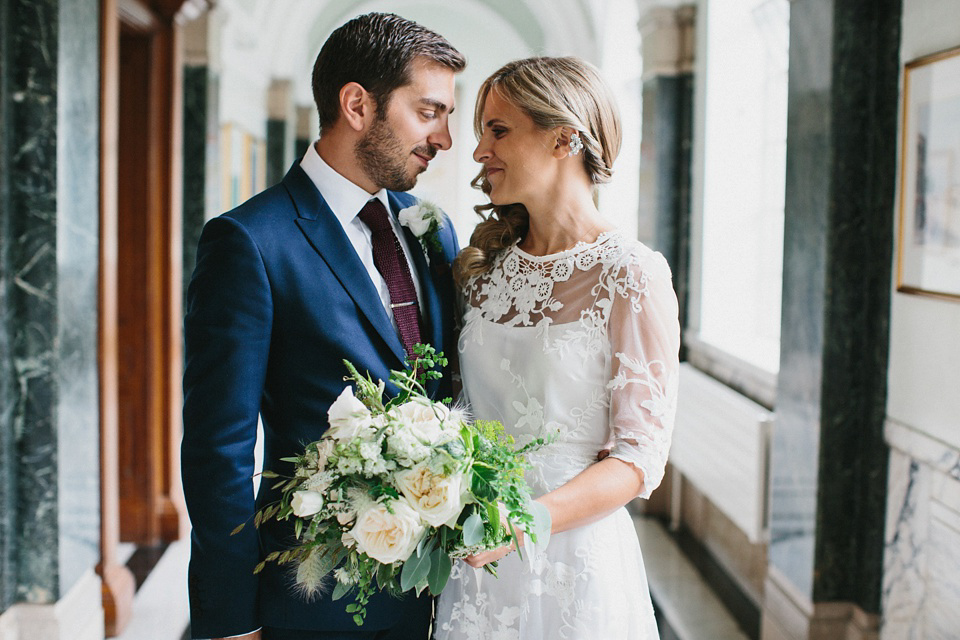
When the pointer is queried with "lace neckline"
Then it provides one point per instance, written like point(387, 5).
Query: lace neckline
point(580, 247)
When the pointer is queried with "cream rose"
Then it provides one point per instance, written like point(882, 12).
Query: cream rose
point(348, 416)
point(306, 503)
point(424, 418)
point(437, 498)
point(388, 537)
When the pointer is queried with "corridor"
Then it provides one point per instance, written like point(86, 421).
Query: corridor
point(794, 161)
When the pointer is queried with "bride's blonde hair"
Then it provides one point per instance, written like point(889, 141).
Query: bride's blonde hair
point(554, 92)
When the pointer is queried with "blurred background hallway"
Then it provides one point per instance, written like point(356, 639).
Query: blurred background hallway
point(796, 161)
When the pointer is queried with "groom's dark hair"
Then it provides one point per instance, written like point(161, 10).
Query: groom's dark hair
point(376, 51)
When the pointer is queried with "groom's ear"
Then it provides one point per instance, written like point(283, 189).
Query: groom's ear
point(357, 106)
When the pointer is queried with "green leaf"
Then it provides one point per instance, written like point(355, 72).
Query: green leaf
point(238, 529)
point(271, 474)
point(415, 569)
point(298, 528)
point(440, 567)
point(340, 590)
point(493, 517)
point(473, 530)
point(541, 523)
point(483, 484)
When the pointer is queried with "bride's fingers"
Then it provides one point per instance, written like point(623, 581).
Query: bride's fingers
point(481, 559)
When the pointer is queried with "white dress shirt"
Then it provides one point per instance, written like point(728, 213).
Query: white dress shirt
point(346, 199)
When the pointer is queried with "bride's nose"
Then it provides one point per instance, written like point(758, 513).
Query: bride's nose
point(482, 153)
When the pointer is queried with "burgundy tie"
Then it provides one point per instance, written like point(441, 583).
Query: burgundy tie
point(392, 265)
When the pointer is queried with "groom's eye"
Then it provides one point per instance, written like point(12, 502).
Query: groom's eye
point(428, 115)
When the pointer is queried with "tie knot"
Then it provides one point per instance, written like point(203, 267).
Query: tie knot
point(374, 215)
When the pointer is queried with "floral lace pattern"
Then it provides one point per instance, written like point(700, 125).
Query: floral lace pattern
point(581, 347)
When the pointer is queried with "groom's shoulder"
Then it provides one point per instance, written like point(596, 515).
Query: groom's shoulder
point(263, 209)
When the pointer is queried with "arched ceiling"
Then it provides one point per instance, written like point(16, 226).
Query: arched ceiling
point(280, 38)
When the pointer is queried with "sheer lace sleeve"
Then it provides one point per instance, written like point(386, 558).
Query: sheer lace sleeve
point(644, 334)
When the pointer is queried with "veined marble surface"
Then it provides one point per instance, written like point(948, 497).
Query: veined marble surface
point(921, 585)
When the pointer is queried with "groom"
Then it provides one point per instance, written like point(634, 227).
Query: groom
point(310, 272)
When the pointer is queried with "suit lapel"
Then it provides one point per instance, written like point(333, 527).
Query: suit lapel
point(326, 236)
point(433, 313)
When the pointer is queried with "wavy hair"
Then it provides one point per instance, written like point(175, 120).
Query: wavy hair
point(554, 92)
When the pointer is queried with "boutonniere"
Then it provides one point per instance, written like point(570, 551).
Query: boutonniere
point(424, 220)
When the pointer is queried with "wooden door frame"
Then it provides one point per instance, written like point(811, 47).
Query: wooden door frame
point(163, 497)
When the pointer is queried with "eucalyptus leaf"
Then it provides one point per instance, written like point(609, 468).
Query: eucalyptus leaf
point(473, 530)
point(440, 567)
point(541, 523)
point(415, 570)
point(340, 590)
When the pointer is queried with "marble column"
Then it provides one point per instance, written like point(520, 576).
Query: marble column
point(201, 132)
point(305, 119)
point(828, 458)
point(49, 538)
point(667, 41)
point(281, 118)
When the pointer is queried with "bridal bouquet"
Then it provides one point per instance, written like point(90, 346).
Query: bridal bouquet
point(396, 489)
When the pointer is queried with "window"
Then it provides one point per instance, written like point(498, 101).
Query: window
point(744, 130)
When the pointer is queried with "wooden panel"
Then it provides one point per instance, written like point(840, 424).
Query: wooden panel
point(117, 582)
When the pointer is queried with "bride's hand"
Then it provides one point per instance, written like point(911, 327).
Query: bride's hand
point(486, 557)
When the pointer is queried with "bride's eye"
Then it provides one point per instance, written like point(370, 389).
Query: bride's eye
point(498, 132)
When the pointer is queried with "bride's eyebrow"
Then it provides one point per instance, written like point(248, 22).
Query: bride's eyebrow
point(492, 122)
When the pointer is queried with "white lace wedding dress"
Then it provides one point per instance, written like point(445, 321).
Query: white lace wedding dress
point(581, 346)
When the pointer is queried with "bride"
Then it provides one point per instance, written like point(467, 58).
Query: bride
point(571, 332)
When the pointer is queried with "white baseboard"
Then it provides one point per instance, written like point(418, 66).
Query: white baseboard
point(76, 616)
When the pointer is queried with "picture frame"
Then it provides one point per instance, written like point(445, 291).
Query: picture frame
point(928, 247)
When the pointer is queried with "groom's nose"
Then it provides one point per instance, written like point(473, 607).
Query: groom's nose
point(440, 138)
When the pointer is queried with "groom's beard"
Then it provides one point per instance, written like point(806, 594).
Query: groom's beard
point(382, 157)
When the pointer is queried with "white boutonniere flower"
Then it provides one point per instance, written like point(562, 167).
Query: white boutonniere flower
point(424, 220)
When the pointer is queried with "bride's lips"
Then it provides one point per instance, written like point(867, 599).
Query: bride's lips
point(493, 170)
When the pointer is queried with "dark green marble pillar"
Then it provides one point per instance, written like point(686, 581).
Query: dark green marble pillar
point(201, 184)
point(8, 476)
point(829, 459)
point(277, 164)
point(49, 526)
point(668, 128)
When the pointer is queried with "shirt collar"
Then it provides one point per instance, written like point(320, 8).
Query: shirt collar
point(343, 197)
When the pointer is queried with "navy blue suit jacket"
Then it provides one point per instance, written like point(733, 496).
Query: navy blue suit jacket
point(278, 299)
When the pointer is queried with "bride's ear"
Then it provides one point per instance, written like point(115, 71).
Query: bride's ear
point(561, 136)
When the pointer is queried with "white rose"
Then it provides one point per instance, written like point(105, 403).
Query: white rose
point(306, 503)
point(416, 218)
point(348, 416)
point(388, 537)
point(437, 498)
point(423, 418)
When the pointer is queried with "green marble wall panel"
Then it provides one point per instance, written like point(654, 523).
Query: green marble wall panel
point(49, 170)
point(32, 173)
point(828, 460)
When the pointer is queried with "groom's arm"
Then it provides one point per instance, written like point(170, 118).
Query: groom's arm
point(227, 339)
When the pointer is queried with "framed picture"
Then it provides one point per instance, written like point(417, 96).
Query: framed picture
point(928, 256)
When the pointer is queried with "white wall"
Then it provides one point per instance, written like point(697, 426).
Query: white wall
point(921, 581)
point(925, 332)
